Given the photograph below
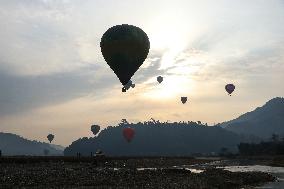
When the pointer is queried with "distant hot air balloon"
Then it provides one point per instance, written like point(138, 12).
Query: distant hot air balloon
point(95, 129)
point(125, 48)
point(128, 133)
point(183, 99)
point(50, 137)
point(160, 79)
point(230, 88)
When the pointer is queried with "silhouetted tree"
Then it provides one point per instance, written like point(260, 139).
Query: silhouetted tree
point(223, 151)
point(157, 138)
point(262, 148)
point(275, 137)
point(45, 152)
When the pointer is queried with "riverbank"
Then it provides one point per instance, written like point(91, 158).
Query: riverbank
point(277, 161)
point(123, 173)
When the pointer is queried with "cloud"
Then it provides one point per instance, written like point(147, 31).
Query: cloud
point(22, 93)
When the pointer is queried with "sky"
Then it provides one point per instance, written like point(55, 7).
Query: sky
point(53, 77)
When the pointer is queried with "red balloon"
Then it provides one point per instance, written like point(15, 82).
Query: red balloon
point(128, 133)
point(230, 88)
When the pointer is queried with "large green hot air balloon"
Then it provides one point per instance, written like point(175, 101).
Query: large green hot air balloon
point(125, 48)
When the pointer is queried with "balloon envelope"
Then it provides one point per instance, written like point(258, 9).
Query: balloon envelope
point(160, 79)
point(230, 88)
point(183, 99)
point(50, 137)
point(95, 129)
point(128, 133)
point(124, 48)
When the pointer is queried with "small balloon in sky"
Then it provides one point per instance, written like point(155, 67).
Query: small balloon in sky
point(50, 137)
point(128, 133)
point(160, 79)
point(230, 88)
point(95, 129)
point(183, 99)
point(125, 48)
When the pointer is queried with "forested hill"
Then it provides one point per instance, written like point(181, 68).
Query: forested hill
point(11, 144)
point(157, 139)
point(262, 122)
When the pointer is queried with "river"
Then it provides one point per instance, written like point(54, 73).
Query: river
point(276, 171)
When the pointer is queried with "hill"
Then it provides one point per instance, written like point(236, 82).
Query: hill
point(158, 139)
point(11, 144)
point(262, 122)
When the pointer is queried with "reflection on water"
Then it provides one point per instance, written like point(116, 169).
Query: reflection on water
point(189, 168)
point(142, 169)
point(260, 168)
point(195, 170)
point(175, 167)
point(276, 171)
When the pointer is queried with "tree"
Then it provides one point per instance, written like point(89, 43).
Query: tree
point(275, 137)
point(45, 152)
point(223, 151)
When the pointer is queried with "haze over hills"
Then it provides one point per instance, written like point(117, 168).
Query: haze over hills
point(262, 122)
point(157, 138)
point(11, 144)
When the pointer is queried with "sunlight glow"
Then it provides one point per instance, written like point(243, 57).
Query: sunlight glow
point(169, 34)
point(172, 87)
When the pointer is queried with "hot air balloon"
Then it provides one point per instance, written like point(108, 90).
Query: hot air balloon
point(160, 79)
point(183, 99)
point(125, 48)
point(128, 133)
point(127, 86)
point(230, 88)
point(95, 129)
point(50, 137)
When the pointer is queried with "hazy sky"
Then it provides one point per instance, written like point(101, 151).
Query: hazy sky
point(53, 78)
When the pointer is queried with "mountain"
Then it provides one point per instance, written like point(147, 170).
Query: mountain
point(157, 139)
point(11, 144)
point(262, 122)
point(57, 147)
